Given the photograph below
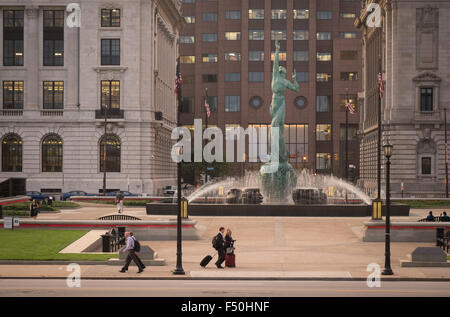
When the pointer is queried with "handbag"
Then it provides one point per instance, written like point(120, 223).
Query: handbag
point(230, 250)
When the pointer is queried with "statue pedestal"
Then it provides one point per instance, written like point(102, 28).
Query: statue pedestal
point(278, 180)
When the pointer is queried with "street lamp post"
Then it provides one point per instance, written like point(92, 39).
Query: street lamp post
point(387, 265)
point(179, 269)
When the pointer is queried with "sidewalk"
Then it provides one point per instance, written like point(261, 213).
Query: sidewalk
point(266, 248)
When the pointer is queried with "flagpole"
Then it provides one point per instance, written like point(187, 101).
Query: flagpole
point(446, 154)
point(346, 142)
point(379, 132)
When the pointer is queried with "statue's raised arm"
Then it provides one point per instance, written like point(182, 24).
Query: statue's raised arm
point(276, 58)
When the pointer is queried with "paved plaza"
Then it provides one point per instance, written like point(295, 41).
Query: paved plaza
point(266, 248)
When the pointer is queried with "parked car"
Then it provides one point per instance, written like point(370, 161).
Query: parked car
point(68, 195)
point(169, 190)
point(39, 196)
point(124, 192)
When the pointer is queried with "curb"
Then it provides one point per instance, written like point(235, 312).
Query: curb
point(337, 279)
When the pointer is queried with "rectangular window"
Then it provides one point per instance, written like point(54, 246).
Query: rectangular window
point(212, 102)
point(281, 56)
point(233, 15)
point(209, 58)
point(352, 132)
point(349, 55)
point(189, 18)
point(256, 56)
point(186, 59)
point(296, 140)
point(110, 92)
point(110, 18)
point(426, 165)
point(322, 103)
point(232, 36)
point(323, 36)
point(209, 17)
point(13, 38)
point(301, 56)
point(301, 14)
point(209, 78)
point(188, 105)
point(256, 35)
point(278, 35)
point(301, 35)
point(233, 57)
point(187, 39)
point(426, 99)
point(188, 1)
point(209, 37)
point(323, 161)
point(256, 76)
point(188, 79)
point(279, 14)
point(53, 95)
point(351, 76)
point(110, 52)
point(323, 57)
point(233, 77)
point(232, 103)
point(324, 15)
point(348, 15)
point(302, 77)
point(348, 35)
point(323, 77)
point(13, 95)
point(53, 38)
point(323, 132)
point(256, 14)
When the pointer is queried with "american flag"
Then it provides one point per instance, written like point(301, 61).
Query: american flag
point(208, 112)
point(349, 106)
point(380, 82)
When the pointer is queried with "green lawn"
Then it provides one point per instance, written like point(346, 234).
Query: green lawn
point(127, 203)
point(36, 244)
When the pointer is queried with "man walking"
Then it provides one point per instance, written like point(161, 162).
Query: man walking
point(131, 254)
point(220, 247)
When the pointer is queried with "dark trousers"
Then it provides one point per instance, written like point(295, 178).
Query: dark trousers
point(221, 254)
point(132, 256)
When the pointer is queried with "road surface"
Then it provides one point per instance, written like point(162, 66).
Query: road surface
point(218, 288)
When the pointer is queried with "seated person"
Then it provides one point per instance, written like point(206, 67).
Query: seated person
point(445, 218)
point(430, 217)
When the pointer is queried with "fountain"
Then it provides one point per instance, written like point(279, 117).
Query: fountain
point(285, 191)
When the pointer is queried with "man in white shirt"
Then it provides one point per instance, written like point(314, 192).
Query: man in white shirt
point(131, 254)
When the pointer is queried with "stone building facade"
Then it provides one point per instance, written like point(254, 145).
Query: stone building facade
point(413, 42)
point(58, 80)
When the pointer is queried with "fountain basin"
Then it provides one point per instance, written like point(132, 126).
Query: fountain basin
point(246, 210)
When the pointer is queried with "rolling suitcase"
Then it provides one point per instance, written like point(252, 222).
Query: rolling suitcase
point(206, 260)
point(230, 260)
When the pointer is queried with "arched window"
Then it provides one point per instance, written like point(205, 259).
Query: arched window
point(12, 153)
point(52, 153)
point(112, 155)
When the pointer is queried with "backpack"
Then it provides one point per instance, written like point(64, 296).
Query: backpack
point(215, 242)
point(137, 245)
